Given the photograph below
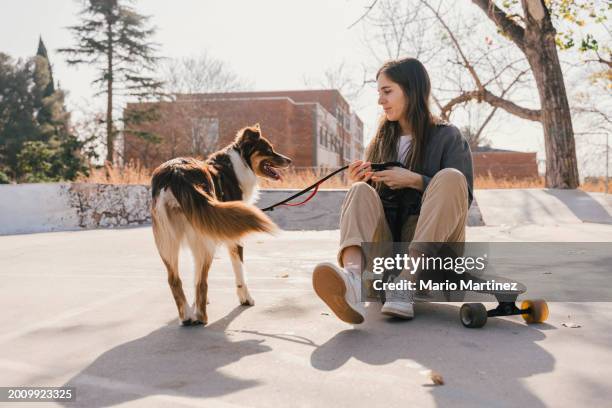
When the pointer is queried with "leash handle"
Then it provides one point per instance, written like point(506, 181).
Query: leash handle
point(386, 165)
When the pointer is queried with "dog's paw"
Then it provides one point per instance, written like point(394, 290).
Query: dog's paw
point(245, 297)
point(248, 302)
point(200, 318)
point(189, 317)
point(199, 314)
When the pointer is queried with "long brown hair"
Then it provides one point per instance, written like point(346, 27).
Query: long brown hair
point(413, 79)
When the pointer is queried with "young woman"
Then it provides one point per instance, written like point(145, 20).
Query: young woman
point(424, 201)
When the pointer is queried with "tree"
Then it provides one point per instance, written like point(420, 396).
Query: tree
point(113, 37)
point(43, 78)
point(49, 110)
point(58, 147)
point(341, 78)
point(528, 27)
point(17, 119)
point(36, 142)
point(441, 37)
point(200, 74)
point(536, 38)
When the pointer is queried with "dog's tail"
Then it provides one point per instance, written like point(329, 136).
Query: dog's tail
point(220, 220)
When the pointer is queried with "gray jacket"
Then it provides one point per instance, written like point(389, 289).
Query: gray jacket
point(445, 148)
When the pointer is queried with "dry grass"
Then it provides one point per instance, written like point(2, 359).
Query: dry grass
point(304, 177)
point(134, 173)
point(598, 186)
point(489, 182)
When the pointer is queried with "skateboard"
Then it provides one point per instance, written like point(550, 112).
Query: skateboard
point(475, 315)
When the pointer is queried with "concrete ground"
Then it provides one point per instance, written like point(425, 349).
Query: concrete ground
point(92, 310)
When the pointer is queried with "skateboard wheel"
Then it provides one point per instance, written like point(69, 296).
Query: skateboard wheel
point(538, 311)
point(473, 315)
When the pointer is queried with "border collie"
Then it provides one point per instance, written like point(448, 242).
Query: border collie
point(205, 203)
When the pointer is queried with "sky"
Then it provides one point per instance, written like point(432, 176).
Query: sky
point(272, 44)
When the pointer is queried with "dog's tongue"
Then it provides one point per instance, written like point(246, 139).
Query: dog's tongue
point(277, 175)
point(273, 172)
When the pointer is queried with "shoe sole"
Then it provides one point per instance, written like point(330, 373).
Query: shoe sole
point(396, 313)
point(332, 290)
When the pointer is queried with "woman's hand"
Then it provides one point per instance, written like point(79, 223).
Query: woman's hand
point(397, 177)
point(358, 170)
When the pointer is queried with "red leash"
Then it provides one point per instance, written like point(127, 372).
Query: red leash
point(314, 192)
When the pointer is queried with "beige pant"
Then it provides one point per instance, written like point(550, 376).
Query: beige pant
point(443, 214)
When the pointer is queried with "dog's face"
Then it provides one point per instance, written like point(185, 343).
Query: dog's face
point(259, 154)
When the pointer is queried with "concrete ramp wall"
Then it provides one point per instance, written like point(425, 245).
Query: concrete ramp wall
point(27, 208)
point(543, 206)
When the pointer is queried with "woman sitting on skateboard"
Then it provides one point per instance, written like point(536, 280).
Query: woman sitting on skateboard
point(426, 200)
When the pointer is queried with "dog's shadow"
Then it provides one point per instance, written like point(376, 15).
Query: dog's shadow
point(172, 360)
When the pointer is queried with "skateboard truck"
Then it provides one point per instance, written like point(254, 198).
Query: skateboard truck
point(474, 315)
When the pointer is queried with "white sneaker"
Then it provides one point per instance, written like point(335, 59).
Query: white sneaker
point(399, 303)
point(340, 290)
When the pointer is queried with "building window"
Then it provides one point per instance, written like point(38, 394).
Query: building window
point(326, 138)
point(340, 116)
point(204, 135)
point(321, 140)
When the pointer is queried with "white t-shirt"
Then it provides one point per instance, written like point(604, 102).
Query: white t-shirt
point(403, 145)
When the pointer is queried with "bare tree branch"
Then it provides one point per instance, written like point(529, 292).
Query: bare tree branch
point(466, 63)
point(368, 9)
point(514, 31)
point(493, 100)
point(601, 60)
point(494, 110)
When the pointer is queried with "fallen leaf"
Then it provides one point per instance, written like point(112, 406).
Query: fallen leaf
point(436, 378)
point(571, 325)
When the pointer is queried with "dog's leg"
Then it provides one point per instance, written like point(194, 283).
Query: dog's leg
point(236, 255)
point(168, 245)
point(201, 287)
point(203, 250)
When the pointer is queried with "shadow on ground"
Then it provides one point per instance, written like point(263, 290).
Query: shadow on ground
point(172, 360)
point(481, 367)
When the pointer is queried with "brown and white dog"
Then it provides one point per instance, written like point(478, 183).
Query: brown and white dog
point(207, 203)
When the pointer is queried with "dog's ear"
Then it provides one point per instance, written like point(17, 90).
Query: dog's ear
point(249, 133)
